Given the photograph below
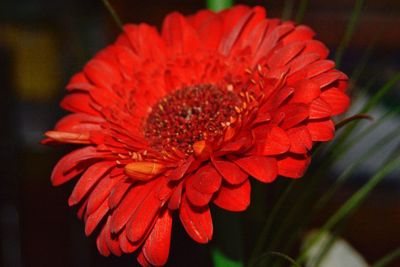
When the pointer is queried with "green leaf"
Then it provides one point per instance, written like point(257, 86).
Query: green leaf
point(221, 260)
point(353, 203)
point(386, 260)
point(355, 14)
point(218, 5)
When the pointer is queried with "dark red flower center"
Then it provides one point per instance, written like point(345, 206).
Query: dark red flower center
point(193, 113)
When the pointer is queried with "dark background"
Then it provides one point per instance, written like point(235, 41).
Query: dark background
point(44, 42)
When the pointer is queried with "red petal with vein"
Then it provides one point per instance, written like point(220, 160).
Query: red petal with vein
point(101, 243)
point(294, 114)
point(100, 193)
point(196, 221)
point(67, 168)
point(229, 171)
point(271, 140)
point(94, 219)
point(319, 109)
point(118, 193)
point(79, 102)
point(300, 33)
point(196, 197)
point(80, 82)
point(88, 179)
point(234, 197)
point(126, 245)
point(262, 168)
point(282, 56)
point(111, 241)
point(328, 78)
point(206, 180)
point(305, 92)
point(156, 247)
point(179, 35)
point(102, 74)
point(293, 166)
point(321, 130)
point(132, 200)
point(300, 139)
point(175, 200)
point(143, 218)
point(338, 101)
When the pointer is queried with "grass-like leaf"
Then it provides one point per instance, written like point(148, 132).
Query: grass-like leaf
point(386, 260)
point(355, 15)
point(217, 5)
point(353, 203)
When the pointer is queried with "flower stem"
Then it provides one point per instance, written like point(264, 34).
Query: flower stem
point(113, 14)
point(218, 5)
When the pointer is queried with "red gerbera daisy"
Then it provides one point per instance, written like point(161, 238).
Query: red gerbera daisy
point(174, 121)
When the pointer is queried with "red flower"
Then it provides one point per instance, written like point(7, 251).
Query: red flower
point(178, 120)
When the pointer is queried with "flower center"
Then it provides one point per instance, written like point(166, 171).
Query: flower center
point(188, 115)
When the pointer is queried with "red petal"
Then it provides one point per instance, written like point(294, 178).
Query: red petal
point(143, 218)
point(100, 193)
point(270, 140)
point(262, 168)
point(294, 114)
point(300, 33)
point(284, 55)
point(101, 243)
point(129, 204)
point(175, 200)
point(206, 180)
point(93, 219)
point(314, 46)
point(229, 171)
point(321, 130)
point(319, 109)
point(196, 221)
point(67, 168)
point(302, 61)
point(196, 197)
point(234, 198)
point(338, 100)
point(156, 247)
point(80, 82)
point(79, 102)
point(328, 78)
point(181, 170)
point(111, 241)
point(179, 35)
point(319, 67)
point(293, 166)
point(271, 39)
point(229, 40)
point(300, 139)
point(126, 245)
point(118, 193)
point(88, 179)
point(79, 122)
point(102, 73)
point(305, 92)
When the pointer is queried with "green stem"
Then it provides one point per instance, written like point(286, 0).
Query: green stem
point(218, 5)
point(113, 14)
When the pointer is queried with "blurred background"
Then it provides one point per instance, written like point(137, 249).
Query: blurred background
point(43, 43)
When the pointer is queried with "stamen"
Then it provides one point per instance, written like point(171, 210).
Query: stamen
point(189, 115)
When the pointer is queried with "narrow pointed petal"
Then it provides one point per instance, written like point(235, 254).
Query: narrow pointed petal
point(88, 179)
point(196, 221)
point(94, 219)
point(156, 247)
